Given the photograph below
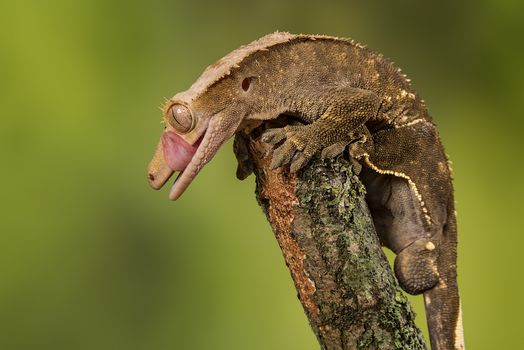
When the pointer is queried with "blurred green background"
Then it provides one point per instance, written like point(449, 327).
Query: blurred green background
point(92, 258)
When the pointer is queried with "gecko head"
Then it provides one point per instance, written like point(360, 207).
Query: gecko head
point(195, 128)
point(198, 121)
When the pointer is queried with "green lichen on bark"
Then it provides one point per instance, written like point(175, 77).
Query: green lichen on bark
point(355, 301)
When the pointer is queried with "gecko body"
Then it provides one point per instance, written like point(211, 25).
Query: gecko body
point(346, 97)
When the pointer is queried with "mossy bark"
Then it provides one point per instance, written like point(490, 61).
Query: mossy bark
point(324, 228)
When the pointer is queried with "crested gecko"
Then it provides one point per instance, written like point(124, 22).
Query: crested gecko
point(347, 97)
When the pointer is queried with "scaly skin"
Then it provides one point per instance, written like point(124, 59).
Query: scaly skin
point(346, 97)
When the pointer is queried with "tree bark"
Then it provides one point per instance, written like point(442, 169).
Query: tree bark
point(326, 233)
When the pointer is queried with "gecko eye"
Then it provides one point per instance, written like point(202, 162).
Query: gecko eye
point(180, 118)
point(246, 83)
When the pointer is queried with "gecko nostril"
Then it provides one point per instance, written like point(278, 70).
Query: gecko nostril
point(151, 177)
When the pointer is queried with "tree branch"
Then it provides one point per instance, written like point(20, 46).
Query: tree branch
point(324, 228)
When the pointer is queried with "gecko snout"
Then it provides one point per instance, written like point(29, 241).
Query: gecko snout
point(158, 172)
point(158, 177)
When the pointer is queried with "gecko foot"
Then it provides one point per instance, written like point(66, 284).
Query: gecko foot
point(297, 144)
point(241, 149)
point(335, 149)
point(416, 266)
point(297, 148)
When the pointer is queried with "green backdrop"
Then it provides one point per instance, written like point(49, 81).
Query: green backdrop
point(92, 258)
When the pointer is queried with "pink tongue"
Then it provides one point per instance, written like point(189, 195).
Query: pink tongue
point(177, 152)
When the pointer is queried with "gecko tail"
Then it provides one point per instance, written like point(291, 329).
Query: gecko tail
point(444, 318)
point(443, 307)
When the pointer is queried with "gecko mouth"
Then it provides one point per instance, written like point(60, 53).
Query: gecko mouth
point(177, 152)
point(178, 155)
point(173, 154)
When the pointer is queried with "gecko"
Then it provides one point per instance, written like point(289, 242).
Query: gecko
point(346, 97)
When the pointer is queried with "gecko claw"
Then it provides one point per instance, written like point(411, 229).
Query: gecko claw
point(283, 155)
point(273, 136)
point(296, 150)
point(298, 162)
point(333, 150)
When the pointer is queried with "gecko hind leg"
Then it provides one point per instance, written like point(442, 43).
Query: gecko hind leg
point(397, 217)
point(411, 200)
point(416, 266)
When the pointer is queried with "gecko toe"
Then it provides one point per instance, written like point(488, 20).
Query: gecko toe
point(296, 149)
point(334, 150)
point(244, 170)
point(245, 164)
point(303, 157)
point(299, 161)
point(283, 155)
point(274, 136)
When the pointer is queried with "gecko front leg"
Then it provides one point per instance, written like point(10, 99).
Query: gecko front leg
point(245, 165)
point(340, 124)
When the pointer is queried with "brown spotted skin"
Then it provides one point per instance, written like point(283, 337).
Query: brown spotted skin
point(346, 97)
